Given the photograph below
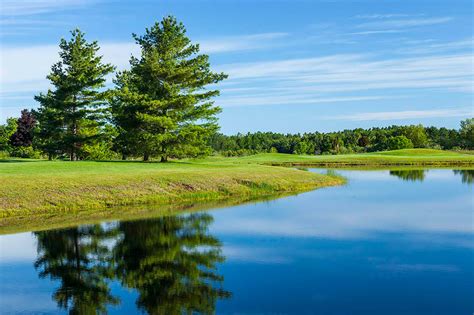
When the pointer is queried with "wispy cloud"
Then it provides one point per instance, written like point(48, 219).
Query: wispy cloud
point(430, 47)
point(25, 68)
point(377, 32)
point(357, 72)
point(402, 115)
point(25, 17)
point(343, 78)
point(385, 16)
point(291, 99)
point(36, 7)
point(402, 23)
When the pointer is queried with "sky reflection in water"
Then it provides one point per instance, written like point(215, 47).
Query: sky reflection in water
point(388, 242)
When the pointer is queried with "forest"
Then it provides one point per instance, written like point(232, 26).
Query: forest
point(348, 141)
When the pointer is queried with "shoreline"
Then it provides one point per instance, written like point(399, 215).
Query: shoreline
point(38, 193)
point(77, 192)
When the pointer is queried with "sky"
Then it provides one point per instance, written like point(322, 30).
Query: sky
point(294, 66)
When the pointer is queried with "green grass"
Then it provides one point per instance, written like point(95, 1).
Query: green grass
point(407, 157)
point(43, 191)
point(38, 194)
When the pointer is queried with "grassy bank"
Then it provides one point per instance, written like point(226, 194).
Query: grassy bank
point(42, 191)
point(408, 157)
point(37, 194)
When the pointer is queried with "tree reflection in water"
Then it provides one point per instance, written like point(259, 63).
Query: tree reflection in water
point(78, 258)
point(170, 261)
point(409, 175)
point(466, 175)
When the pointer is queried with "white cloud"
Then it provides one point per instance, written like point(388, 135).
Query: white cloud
point(385, 16)
point(34, 7)
point(430, 47)
point(24, 69)
point(377, 32)
point(401, 115)
point(337, 78)
point(401, 23)
point(17, 248)
point(347, 73)
point(291, 100)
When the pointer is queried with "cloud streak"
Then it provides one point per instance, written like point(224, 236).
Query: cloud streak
point(402, 115)
point(402, 23)
point(15, 8)
point(23, 69)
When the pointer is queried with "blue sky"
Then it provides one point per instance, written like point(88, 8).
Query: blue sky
point(294, 66)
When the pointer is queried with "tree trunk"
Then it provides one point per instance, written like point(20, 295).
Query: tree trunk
point(50, 156)
point(164, 158)
point(124, 157)
point(146, 157)
point(74, 132)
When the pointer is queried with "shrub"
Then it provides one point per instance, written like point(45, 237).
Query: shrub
point(399, 142)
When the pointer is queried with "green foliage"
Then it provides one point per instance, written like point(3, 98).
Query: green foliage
point(341, 142)
point(6, 132)
point(467, 133)
point(101, 145)
point(416, 134)
point(161, 105)
point(399, 142)
point(25, 152)
point(76, 99)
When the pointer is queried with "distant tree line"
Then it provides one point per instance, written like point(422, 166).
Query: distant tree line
point(22, 138)
point(160, 107)
point(348, 141)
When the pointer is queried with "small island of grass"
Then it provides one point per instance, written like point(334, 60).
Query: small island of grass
point(36, 191)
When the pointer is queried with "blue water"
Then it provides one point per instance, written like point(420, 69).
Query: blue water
point(397, 242)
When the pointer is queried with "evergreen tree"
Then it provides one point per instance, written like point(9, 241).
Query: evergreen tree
point(76, 99)
point(23, 136)
point(161, 105)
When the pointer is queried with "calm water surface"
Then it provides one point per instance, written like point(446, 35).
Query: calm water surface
point(389, 242)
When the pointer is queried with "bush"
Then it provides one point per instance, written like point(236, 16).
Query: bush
point(25, 152)
point(4, 155)
point(98, 151)
point(399, 142)
point(241, 152)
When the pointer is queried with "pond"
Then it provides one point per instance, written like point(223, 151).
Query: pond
point(388, 242)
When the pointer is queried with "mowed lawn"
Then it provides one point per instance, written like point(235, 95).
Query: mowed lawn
point(408, 157)
point(48, 187)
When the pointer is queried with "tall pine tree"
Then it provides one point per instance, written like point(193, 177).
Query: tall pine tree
point(161, 105)
point(77, 98)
